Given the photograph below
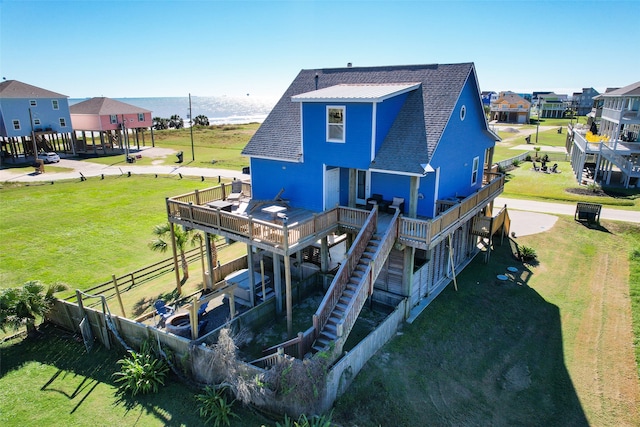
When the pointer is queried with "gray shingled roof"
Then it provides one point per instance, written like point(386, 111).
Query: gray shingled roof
point(16, 89)
point(105, 107)
point(417, 129)
point(630, 90)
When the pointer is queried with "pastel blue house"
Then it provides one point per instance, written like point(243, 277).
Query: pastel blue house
point(29, 113)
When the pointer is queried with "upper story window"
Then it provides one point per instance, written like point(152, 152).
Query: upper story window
point(141, 117)
point(335, 124)
point(474, 170)
point(463, 112)
point(33, 102)
point(114, 119)
point(16, 124)
point(63, 122)
point(54, 104)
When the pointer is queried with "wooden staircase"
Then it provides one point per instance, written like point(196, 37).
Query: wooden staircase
point(331, 332)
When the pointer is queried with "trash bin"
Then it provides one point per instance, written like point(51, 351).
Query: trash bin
point(131, 159)
point(179, 155)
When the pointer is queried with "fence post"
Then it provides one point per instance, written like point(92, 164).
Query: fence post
point(115, 286)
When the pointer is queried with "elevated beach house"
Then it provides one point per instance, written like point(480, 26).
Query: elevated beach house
point(396, 161)
point(33, 119)
point(609, 147)
point(115, 123)
point(511, 108)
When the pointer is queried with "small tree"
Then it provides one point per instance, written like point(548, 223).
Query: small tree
point(183, 238)
point(21, 306)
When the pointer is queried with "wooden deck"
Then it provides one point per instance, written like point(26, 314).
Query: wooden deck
point(244, 220)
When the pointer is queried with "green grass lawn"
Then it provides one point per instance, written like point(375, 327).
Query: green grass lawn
point(510, 353)
point(52, 381)
point(81, 233)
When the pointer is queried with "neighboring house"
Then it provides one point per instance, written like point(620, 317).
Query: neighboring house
point(582, 102)
point(32, 118)
point(609, 146)
point(394, 160)
point(510, 107)
point(112, 120)
point(552, 105)
point(488, 97)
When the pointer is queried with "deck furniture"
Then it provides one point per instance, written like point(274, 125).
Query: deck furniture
point(162, 310)
point(221, 204)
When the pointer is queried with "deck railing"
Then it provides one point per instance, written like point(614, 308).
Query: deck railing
point(422, 233)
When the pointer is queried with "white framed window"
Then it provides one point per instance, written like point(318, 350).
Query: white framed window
point(36, 122)
point(114, 119)
point(63, 122)
point(16, 124)
point(33, 102)
point(474, 170)
point(141, 117)
point(335, 123)
point(463, 112)
point(54, 104)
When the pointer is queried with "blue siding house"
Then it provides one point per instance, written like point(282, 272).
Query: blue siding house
point(29, 113)
point(339, 136)
point(394, 161)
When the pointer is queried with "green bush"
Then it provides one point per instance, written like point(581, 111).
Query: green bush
point(141, 373)
point(303, 421)
point(527, 253)
point(214, 407)
point(516, 163)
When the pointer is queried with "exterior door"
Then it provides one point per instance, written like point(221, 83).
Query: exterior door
point(362, 186)
point(331, 188)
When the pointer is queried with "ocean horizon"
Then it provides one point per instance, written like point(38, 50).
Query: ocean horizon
point(218, 109)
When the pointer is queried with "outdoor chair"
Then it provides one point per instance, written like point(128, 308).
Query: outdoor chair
point(536, 168)
point(397, 203)
point(162, 310)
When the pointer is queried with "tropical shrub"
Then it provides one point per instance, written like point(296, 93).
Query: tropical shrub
point(214, 407)
point(303, 421)
point(527, 253)
point(21, 306)
point(141, 372)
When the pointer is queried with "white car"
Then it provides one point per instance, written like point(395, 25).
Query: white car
point(49, 157)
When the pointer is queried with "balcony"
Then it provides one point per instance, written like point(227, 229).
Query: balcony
point(303, 228)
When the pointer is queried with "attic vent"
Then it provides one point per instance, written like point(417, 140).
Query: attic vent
point(463, 112)
point(349, 64)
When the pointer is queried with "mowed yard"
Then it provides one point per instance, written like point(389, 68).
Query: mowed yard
point(555, 348)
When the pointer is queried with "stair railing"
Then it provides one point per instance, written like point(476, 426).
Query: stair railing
point(339, 283)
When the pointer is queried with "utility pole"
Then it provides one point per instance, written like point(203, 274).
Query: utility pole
point(193, 154)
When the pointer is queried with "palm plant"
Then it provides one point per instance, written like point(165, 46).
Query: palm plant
point(175, 121)
point(21, 306)
point(183, 238)
point(201, 120)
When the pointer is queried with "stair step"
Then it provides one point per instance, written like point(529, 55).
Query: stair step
point(348, 293)
point(344, 300)
point(331, 328)
point(353, 288)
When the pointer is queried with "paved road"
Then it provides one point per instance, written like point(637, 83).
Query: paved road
point(89, 169)
point(564, 209)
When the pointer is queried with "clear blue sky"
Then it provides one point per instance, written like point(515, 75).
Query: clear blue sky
point(133, 48)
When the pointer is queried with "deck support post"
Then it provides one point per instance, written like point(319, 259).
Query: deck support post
point(252, 279)
point(353, 177)
point(175, 258)
point(407, 276)
point(277, 282)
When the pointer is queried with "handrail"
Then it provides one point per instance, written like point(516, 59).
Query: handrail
point(365, 288)
point(338, 285)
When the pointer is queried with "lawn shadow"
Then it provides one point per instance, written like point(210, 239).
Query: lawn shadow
point(79, 373)
point(490, 353)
